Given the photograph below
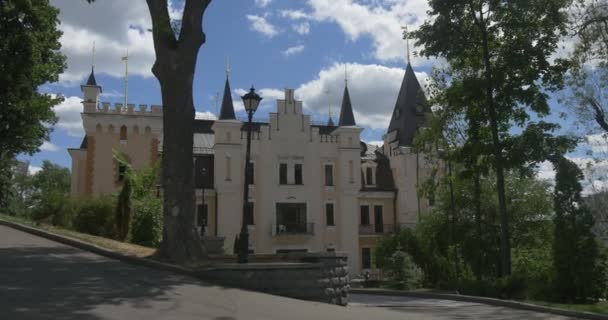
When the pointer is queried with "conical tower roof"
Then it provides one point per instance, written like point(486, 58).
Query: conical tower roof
point(410, 109)
point(347, 118)
point(227, 110)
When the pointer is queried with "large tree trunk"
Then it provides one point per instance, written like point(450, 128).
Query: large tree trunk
point(505, 241)
point(174, 68)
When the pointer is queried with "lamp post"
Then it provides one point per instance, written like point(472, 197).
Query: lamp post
point(251, 101)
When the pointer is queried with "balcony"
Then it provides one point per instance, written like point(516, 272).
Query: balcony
point(377, 229)
point(382, 229)
point(293, 229)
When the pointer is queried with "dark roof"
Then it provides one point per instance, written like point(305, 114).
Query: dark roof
point(227, 111)
point(84, 143)
point(324, 129)
point(92, 81)
point(330, 122)
point(406, 119)
point(347, 117)
point(202, 126)
point(384, 174)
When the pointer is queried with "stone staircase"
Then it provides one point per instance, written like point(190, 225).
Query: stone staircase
point(214, 245)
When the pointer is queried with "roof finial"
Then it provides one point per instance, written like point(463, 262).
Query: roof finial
point(346, 74)
point(126, 60)
point(407, 42)
point(227, 67)
point(93, 57)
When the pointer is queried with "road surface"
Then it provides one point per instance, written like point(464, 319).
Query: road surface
point(42, 279)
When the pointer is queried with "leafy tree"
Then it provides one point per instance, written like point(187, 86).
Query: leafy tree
point(499, 51)
point(29, 57)
point(580, 270)
point(50, 188)
point(176, 54)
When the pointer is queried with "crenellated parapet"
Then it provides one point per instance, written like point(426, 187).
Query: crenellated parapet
point(130, 109)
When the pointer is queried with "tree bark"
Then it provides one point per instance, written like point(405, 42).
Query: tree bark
point(174, 68)
point(505, 242)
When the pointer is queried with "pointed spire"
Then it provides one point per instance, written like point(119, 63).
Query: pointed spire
point(410, 109)
point(92, 81)
point(347, 117)
point(227, 110)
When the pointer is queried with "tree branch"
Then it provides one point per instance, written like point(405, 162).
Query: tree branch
point(164, 39)
point(191, 34)
point(599, 115)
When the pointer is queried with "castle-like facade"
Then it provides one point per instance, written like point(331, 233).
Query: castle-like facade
point(315, 187)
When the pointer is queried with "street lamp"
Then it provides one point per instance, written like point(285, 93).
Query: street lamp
point(251, 101)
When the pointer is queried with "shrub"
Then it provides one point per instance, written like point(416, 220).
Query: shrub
point(146, 226)
point(96, 217)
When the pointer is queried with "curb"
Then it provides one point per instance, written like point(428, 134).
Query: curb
point(489, 301)
point(99, 250)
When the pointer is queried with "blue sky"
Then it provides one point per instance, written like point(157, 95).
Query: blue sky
point(271, 44)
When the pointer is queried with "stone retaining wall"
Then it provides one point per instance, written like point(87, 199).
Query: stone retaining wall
point(319, 277)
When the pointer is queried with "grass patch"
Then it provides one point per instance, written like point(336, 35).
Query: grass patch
point(598, 307)
point(122, 247)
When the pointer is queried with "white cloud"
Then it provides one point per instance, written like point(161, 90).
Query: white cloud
point(114, 26)
point(69, 116)
point(33, 169)
point(262, 26)
point(262, 3)
point(373, 91)
point(293, 50)
point(380, 20)
point(47, 146)
point(301, 28)
point(295, 14)
point(205, 115)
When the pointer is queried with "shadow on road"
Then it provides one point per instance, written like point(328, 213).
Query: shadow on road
point(63, 282)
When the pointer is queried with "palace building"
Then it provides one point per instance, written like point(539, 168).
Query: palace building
point(315, 187)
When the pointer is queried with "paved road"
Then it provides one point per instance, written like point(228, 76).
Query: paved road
point(41, 279)
point(443, 309)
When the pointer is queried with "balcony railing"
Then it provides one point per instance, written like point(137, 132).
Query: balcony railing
point(380, 229)
point(293, 229)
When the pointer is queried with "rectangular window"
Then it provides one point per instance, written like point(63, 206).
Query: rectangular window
point(249, 217)
point(291, 219)
point(369, 178)
point(329, 175)
point(250, 173)
point(283, 173)
point(366, 258)
point(298, 173)
point(378, 220)
point(329, 214)
point(365, 215)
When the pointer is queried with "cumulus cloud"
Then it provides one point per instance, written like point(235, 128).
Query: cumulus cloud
point(301, 28)
point(47, 146)
point(295, 14)
point(261, 25)
point(68, 113)
point(33, 169)
point(380, 20)
point(262, 3)
point(114, 26)
point(293, 50)
point(373, 91)
point(205, 115)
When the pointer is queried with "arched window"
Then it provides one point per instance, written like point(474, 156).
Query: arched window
point(123, 133)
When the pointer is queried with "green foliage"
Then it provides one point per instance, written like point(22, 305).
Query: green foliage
point(147, 224)
point(580, 267)
point(403, 271)
point(29, 58)
point(96, 217)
